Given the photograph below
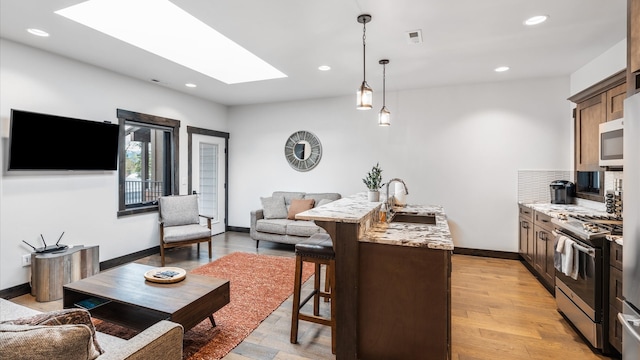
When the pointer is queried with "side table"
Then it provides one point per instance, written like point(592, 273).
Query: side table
point(49, 271)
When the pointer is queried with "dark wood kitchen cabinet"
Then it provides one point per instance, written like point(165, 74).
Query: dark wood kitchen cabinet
point(615, 101)
point(544, 249)
point(597, 104)
point(615, 296)
point(526, 243)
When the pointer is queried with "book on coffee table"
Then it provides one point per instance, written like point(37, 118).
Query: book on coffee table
point(91, 303)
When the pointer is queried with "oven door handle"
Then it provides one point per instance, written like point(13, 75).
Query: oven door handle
point(585, 250)
point(589, 251)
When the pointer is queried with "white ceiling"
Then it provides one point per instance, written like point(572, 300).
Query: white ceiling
point(464, 40)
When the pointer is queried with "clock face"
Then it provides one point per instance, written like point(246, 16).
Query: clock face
point(303, 150)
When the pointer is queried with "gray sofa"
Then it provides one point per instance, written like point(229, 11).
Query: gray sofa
point(279, 228)
point(162, 340)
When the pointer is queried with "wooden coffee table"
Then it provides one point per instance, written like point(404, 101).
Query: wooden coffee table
point(132, 301)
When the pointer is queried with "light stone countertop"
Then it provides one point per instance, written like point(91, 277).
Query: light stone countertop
point(554, 209)
point(435, 236)
point(355, 208)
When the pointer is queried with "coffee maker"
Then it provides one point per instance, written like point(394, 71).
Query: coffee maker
point(562, 192)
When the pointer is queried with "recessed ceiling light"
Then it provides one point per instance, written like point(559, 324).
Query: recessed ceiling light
point(501, 69)
point(324, 67)
point(190, 85)
point(187, 41)
point(38, 32)
point(535, 20)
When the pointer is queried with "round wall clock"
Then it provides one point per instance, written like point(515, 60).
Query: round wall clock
point(303, 150)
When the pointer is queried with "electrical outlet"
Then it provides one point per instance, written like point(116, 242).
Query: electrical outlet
point(26, 260)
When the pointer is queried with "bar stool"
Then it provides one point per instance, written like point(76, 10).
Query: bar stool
point(318, 249)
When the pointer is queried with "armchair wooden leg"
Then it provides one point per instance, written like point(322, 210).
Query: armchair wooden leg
point(209, 248)
point(162, 255)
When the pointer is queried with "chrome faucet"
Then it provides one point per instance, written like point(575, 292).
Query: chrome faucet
point(388, 202)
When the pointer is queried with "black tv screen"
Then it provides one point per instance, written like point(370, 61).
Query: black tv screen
point(49, 142)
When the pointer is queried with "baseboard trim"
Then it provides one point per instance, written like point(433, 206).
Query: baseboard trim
point(238, 229)
point(487, 253)
point(108, 264)
point(22, 289)
point(15, 291)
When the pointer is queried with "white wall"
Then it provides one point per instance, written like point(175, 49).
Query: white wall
point(600, 68)
point(84, 206)
point(458, 146)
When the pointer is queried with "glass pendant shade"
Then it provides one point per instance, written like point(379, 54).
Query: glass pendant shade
point(364, 97)
point(384, 117)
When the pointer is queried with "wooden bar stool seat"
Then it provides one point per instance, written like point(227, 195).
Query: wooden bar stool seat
point(318, 250)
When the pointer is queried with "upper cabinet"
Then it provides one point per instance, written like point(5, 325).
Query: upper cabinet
point(633, 47)
point(599, 103)
point(615, 101)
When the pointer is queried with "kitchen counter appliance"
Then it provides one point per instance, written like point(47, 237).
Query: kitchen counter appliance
point(583, 297)
point(562, 192)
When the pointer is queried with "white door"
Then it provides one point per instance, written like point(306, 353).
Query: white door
point(208, 177)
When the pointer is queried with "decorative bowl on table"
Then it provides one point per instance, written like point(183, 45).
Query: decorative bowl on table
point(165, 275)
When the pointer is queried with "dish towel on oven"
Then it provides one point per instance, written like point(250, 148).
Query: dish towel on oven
point(557, 254)
point(567, 256)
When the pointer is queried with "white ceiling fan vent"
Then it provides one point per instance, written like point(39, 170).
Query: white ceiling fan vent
point(414, 36)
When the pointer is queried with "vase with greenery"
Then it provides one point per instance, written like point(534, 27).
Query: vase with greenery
point(374, 182)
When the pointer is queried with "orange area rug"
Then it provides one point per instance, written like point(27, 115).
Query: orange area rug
point(259, 284)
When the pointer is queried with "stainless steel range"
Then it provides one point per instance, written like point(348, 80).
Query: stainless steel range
point(582, 273)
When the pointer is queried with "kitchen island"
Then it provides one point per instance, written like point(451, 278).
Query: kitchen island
point(392, 286)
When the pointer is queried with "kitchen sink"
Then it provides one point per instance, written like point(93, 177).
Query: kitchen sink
point(414, 218)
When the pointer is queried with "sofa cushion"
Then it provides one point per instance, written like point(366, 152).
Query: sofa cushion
point(42, 342)
point(273, 226)
point(319, 196)
point(274, 207)
point(298, 206)
point(61, 317)
point(302, 228)
point(289, 195)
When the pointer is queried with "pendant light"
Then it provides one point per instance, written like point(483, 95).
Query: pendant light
point(365, 94)
point(384, 117)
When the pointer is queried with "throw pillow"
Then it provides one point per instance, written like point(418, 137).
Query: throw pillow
point(323, 202)
point(298, 206)
point(273, 207)
point(62, 317)
point(41, 342)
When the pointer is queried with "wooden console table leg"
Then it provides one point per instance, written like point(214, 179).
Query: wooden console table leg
point(213, 322)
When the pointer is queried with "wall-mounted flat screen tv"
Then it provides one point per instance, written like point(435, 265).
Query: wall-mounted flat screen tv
point(49, 142)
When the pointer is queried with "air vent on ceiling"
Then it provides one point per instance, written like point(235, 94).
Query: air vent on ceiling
point(414, 36)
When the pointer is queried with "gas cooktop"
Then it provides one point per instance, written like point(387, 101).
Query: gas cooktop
point(590, 227)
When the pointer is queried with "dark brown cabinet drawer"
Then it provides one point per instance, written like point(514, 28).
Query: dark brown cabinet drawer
point(526, 212)
point(615, 257)
point(615, 288)
point(542, 219)
point(615, 329)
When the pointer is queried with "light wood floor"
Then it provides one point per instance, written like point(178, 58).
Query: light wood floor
point(499, 311)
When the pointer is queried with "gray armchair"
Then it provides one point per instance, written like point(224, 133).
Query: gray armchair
point(180, 223)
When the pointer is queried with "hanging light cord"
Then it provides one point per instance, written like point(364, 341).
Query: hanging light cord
point(364, 45)
point(384, 84)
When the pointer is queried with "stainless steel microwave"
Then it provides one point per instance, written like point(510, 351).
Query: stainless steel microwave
point(610, 144)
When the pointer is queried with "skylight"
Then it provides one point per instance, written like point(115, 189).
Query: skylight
point(164, 29)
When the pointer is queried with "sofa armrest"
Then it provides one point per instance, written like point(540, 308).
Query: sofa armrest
point(163, 340)
point(255, 216)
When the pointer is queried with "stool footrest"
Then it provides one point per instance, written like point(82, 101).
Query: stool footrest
point(315, 319)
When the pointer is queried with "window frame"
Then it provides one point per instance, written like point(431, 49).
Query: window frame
point(152, 120)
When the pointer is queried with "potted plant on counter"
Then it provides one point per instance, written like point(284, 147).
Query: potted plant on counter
point(374, 182)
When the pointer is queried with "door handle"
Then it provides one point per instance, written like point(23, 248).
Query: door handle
point(629, 322)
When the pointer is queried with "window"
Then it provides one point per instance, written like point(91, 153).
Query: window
point(148, 159)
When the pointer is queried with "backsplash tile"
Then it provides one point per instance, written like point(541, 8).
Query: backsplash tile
point(533, 185)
